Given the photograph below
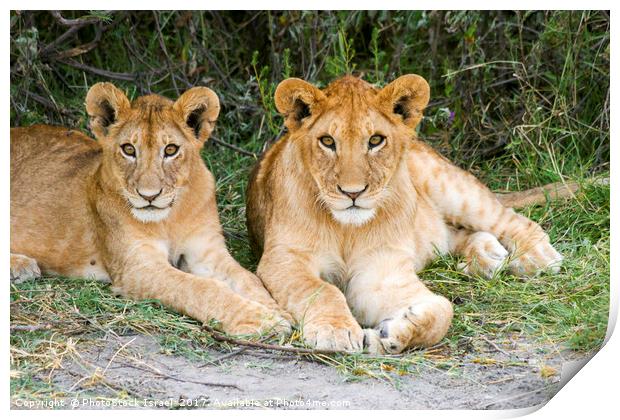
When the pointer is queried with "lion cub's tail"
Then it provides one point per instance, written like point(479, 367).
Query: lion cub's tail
point(538, 195)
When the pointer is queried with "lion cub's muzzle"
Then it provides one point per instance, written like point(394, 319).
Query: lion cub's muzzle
point(353, 206)
point(150, 205)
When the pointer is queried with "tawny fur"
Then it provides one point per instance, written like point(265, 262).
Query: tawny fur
point(75, 209)
point(334, 271)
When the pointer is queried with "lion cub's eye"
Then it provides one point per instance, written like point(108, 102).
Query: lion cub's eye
point(171, 150)
point(328, 142)
point(376, 140)
point(128, 150)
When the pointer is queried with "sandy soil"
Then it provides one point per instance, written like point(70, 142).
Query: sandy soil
point(516, 376)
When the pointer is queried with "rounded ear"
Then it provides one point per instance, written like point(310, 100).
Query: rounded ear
point(407, 97)
point(104, 103)
point(199, 108)
point(295, 99)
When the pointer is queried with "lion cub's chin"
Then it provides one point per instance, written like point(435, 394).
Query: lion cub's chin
point(355, 216)
point(150, 215)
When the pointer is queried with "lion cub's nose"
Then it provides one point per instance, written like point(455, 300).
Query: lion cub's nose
point(149, 195)
point(351, 192)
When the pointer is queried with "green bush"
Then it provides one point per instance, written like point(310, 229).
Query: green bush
point(521, 87)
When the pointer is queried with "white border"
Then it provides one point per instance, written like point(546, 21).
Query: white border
point(593, 393)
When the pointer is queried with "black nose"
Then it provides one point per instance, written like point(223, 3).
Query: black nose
point(147, 197)
point(352, 194)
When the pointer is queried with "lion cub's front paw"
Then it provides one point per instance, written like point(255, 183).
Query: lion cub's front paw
point(422, 324)
point(261, 320)
point(330, 334)
point(484, 255)
point(23, 268)
point(535, 256)
point(256, 291)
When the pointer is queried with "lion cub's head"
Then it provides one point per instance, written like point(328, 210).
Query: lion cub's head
point(150, 144)
point(353, 137)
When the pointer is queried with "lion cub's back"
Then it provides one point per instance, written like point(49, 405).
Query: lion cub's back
point(50, 214)
point(48, 148)
point(49, 162)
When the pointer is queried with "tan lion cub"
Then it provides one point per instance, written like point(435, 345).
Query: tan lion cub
point(348, 206)
point(136, 207)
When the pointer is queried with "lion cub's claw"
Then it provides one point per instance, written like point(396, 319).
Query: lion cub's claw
point(484, 257)
point(539, 257)
point(345, 336)
point(263, 321)
point(422, 324)
point(372, 342)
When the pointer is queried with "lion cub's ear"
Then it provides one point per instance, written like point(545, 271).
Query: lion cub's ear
point(199, 108)
point(295, 99)
point(104, 103)
point(407, 97)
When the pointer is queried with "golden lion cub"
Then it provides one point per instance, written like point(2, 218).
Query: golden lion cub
point(348, 206)
point(136, 207)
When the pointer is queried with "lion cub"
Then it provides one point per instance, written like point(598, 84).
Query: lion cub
point(348, 206)
point(136, 207)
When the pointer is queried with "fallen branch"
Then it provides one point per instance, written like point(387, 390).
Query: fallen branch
point(300, 351)
point(265, 346)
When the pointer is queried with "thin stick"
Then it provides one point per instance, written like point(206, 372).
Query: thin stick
point(31, 328)
point(224, 357)
point(74, 22)
point(233, 147)
point(80, 49)
point(245, 343)
point(495, 346)
point(129, 77)
point(50, 104)
point(176, 378)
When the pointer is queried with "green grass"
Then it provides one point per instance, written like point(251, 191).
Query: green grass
point(567, 310)
point(519, 98)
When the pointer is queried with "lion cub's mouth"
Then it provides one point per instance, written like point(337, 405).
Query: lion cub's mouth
point(151, 213)
point(152, 207)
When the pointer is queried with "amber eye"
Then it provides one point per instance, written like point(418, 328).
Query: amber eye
point(328, 142)
point(128, 150)
point(171, 150)
point(376, 140)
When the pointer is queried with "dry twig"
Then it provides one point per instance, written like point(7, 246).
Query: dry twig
point(274, 347)
point(233, 147)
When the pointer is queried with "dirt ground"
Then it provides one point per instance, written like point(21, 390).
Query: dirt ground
point(516, 376)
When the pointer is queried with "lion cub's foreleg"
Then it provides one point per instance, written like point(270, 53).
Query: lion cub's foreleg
point(206, 255)
point(388, 296)
point(145, 273)
point(320, 308)
point(23, 268)
point(465, 202)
